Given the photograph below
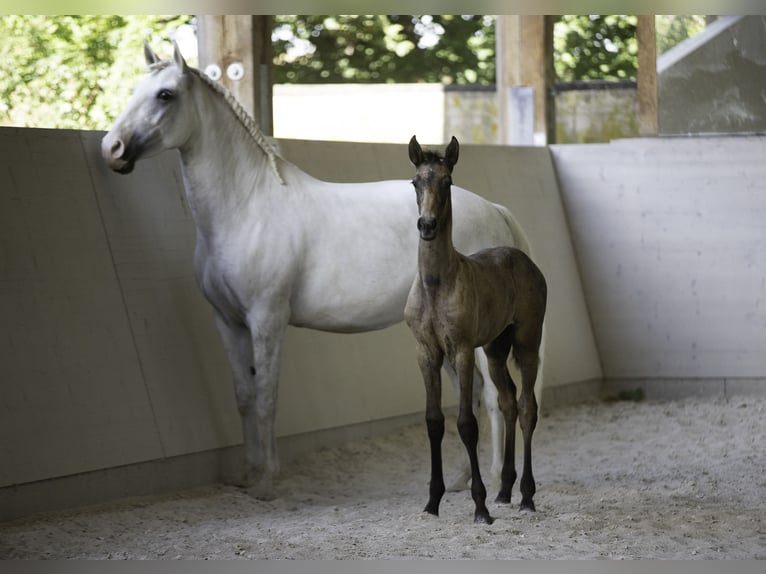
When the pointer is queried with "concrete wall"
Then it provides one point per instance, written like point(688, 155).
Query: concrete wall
point(110, 367)
point(671, 245)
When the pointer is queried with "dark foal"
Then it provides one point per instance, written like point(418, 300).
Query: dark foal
point(495, 299)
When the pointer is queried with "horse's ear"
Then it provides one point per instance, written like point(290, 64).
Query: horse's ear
point(151, 57)
point(179, 59)
point(451, 155)
point(416, 152)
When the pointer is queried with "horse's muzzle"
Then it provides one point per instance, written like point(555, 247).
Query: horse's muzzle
point(113, 151)
point(427, 228)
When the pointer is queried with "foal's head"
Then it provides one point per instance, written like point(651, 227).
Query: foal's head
point(433, 182)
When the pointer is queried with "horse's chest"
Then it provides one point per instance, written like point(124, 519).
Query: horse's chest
point(222, 286)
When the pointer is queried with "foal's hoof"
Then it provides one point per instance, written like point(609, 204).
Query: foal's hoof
point(503, 497)
point(483, 518)
point(527, 506)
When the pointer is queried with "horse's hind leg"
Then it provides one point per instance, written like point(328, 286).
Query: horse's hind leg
point(497, 356)
point(495, 416)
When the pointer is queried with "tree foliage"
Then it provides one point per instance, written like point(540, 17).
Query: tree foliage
point(77, 71)
point(72, 71)
point(672, 30)
point(595, 47)
point(378, 48)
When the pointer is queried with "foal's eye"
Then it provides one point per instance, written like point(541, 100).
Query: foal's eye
point(165, 95)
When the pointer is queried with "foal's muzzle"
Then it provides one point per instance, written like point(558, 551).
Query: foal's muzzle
point(427, 228)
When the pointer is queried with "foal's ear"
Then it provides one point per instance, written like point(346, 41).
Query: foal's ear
point(179, 59)
point(151, 57)
point(416, 152)
point(453, 150)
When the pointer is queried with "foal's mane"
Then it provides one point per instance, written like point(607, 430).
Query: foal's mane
point(430, 156)
point(247, 121)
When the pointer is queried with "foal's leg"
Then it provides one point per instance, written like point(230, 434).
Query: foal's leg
point(468, 428)
point(462, 475)
point(430, 362)
point(497, 356)
point(481, 387)
point(527, 359)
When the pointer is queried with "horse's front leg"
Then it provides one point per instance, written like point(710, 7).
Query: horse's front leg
point(258, 405)
point(468, 428)
point(239, 349)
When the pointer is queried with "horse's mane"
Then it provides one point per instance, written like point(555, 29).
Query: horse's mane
point(240, 113)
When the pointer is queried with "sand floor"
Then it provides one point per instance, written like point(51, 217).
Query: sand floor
point(681, 479)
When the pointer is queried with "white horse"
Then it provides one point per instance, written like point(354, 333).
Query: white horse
point(276, 246)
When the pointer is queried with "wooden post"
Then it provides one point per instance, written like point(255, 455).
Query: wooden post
point(647, 76)
point(238, 48)
point(525, 58)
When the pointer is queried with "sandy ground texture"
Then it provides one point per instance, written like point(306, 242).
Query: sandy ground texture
point(683, 479)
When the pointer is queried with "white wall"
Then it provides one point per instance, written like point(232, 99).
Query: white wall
point(388, 113)
point(670, 236)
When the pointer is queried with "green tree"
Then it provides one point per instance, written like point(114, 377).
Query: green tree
point(672, 30)
point(379, 48)
point(72, 71)
point(595, 47)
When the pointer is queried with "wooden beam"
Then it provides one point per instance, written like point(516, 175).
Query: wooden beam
point(240, 47)
point(525, 58)
point(647, 76)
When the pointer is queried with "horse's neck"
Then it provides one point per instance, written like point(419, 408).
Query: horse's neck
point(224, 168)
point(438, 259)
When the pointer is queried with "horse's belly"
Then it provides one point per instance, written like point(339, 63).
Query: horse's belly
point(338, 311)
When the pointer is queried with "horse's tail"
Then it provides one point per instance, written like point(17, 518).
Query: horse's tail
point(521, 241)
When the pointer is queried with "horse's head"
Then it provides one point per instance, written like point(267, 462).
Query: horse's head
point(433, 182)
point(160, 115)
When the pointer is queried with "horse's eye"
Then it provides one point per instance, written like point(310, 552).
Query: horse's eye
point(165, 95)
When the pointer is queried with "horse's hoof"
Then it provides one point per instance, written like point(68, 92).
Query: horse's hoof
point(262, 492)
point(432, 509)
point(238, 482)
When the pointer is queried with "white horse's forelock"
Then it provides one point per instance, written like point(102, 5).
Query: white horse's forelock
point(244, 117)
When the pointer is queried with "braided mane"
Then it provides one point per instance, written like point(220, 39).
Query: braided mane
point(247, 121)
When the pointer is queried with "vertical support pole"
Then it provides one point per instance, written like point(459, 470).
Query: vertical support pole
point(240, 46)
point(646, 35)
point(521, 116)
point(525, 58)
